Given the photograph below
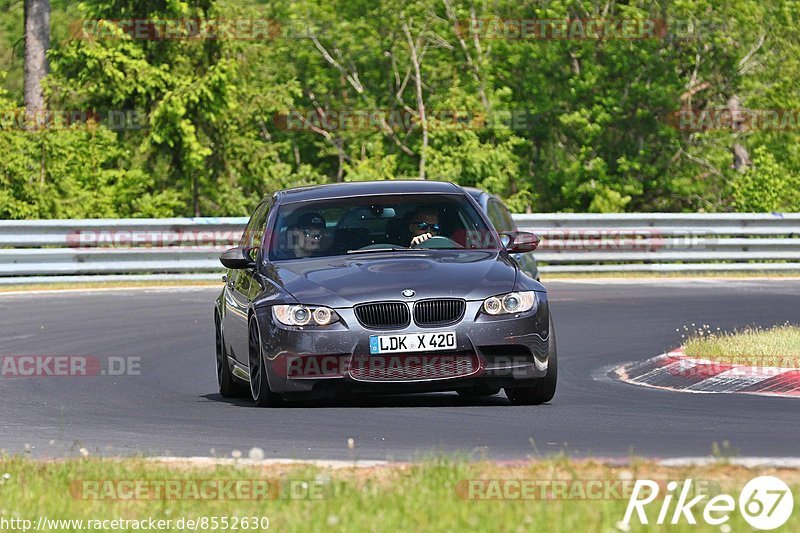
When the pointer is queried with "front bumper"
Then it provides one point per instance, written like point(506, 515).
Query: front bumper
point(495, 351)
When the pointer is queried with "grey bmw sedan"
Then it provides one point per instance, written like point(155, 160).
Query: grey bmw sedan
point(381, 287)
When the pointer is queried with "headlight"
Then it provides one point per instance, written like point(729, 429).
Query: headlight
point(513, 302)
point(303, 315)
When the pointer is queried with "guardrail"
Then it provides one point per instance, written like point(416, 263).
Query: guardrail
point(189, 248)
point(666, 242)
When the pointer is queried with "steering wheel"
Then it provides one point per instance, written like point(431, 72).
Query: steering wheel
point(437, 241)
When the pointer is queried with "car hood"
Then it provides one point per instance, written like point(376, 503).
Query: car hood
point(346, 281)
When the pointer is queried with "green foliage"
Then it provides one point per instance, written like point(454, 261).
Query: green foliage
point(767, 186)
point(553, 125)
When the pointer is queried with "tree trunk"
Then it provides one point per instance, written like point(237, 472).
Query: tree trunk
point(195, 195)
point(741, 157)
point(423, 119)
point(37, 42)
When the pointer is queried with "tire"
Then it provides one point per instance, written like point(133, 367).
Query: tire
point(228, 386)
point(541, 390)
point(259, 382)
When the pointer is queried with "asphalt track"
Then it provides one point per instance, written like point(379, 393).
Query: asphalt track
point(172, 407)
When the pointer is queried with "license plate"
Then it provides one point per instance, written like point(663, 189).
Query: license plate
point(412, 342)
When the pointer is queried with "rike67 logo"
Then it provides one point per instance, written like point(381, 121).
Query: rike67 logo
point(765, 502)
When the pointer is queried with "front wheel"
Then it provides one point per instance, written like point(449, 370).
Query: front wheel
point(259, 383)
point(543, 389)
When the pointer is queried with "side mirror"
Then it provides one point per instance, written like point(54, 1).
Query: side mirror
point(238, 258)
point(520, 242)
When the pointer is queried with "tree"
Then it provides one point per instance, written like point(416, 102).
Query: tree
point(440, 89)
point(37, 43)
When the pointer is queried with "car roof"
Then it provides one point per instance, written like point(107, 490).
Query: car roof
point(365, 188)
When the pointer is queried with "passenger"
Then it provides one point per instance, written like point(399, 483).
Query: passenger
point(305, 237)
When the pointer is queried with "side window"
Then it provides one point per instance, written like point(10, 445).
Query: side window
point(509, 220)
point(254, 232)
point(496, 215)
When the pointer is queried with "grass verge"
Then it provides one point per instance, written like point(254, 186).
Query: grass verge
point(778, 346)
point(428, 496)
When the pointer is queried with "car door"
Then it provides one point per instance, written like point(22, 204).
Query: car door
point(241, 285)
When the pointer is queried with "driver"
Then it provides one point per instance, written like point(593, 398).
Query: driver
point(423, 224)
point(305, 236)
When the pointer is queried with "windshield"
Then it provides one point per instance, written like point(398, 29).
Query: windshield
point(343, 226)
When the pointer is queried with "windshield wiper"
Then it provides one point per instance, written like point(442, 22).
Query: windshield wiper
point(369, 250)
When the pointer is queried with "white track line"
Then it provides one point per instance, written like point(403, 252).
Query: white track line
point(746, 462)
point(674, 462)
point(216, 461)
